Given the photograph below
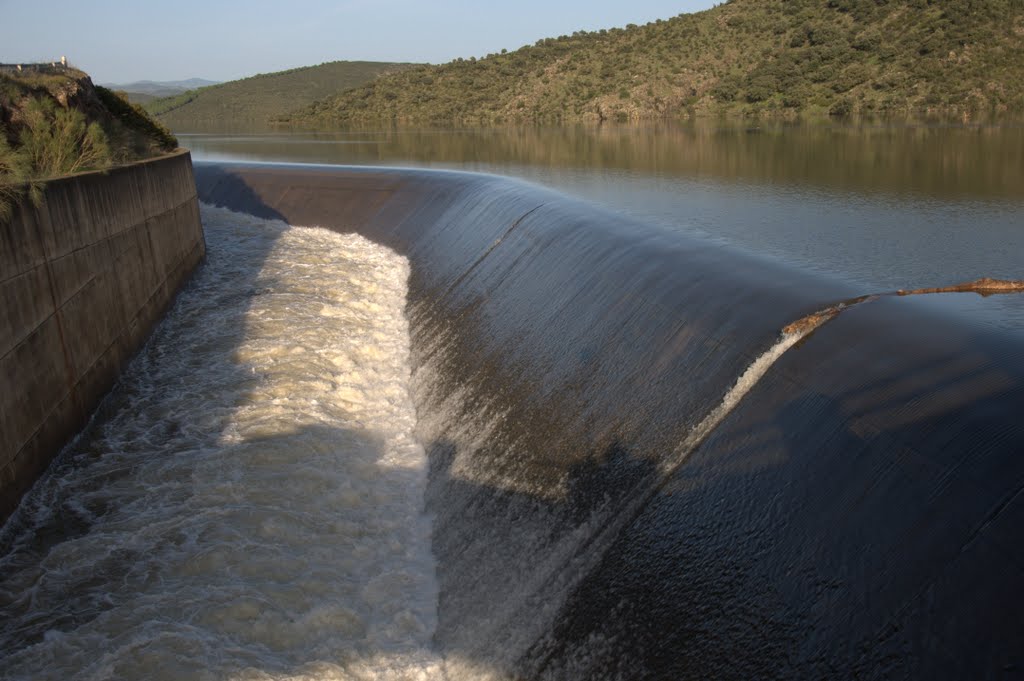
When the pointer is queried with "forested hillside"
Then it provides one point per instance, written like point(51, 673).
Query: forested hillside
point(772, 58)
point(261, 97)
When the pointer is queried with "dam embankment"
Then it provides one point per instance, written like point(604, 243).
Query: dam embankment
point(85, 277)
point(616, 494)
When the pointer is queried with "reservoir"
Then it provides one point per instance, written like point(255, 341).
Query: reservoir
point(885, 207)
point(620, 402)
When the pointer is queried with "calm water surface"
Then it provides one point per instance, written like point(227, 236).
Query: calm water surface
point(881, 207)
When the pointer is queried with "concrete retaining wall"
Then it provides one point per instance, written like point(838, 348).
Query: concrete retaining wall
point(83, 280)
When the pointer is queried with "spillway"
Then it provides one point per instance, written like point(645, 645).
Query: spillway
point(248, 501)
point(643, 456)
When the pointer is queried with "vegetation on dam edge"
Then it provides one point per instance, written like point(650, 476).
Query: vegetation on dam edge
point(54, 121)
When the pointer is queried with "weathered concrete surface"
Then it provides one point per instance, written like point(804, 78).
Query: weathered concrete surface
point(83, 279)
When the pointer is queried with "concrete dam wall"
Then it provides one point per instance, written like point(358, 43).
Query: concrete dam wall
point(652, 457)
point(84, 279)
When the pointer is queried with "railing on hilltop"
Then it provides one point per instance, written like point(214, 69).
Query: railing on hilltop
point(54, 67)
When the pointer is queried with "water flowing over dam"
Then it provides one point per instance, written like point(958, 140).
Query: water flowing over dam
point(464, 427)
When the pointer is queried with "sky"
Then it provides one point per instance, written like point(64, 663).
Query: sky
point(119, 41)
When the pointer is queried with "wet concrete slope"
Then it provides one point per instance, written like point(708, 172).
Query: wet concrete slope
point(610, 501)
point(858, 515)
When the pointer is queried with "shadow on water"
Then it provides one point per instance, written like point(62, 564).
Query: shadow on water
point(68, 500)
point(828, 528)
point(823, 530)
point(254, 581)
point(162, 543)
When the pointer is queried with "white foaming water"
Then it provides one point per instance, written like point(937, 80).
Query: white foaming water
point(248, 504)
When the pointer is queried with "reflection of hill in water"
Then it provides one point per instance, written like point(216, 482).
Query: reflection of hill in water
point(935, 161)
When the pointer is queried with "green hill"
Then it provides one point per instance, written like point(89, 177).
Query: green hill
point(54, 121)
point(264, 96)
point(143, 91)
point(776, 58)
point(138, 97)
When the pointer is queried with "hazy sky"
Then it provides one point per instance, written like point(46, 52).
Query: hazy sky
point(121, 41)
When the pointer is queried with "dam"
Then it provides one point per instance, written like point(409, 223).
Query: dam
point(461, 426)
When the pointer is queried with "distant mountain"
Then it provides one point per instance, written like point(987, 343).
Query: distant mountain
point(142, 98)
point(267, 95)
point(772, 58)
point(142, 91)
point(152, 87)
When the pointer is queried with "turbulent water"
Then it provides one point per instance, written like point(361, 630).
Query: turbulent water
point(247, 504)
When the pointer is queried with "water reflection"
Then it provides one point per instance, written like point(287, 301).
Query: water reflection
point(982, 162)
point(882, 207)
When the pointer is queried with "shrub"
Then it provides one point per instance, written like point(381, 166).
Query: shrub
point(726, 89)
point(59, 141)
point(135, 118)
point(841, 107)
point(762, 87)
point(15, 177)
